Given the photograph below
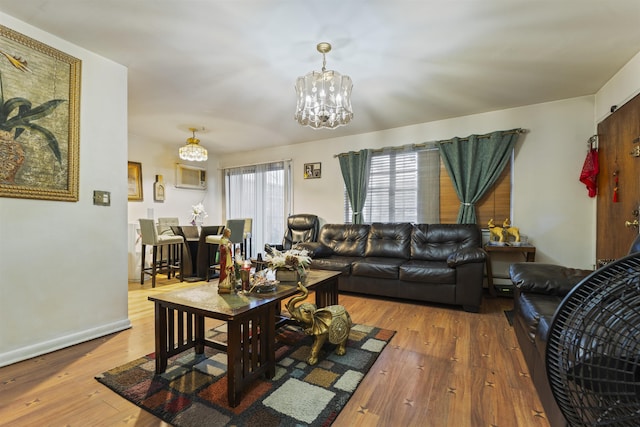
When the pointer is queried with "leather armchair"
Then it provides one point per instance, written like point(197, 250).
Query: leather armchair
point(300, 228)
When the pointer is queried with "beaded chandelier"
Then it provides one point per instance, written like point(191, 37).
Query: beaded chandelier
point(324, 98)
point(193, 150)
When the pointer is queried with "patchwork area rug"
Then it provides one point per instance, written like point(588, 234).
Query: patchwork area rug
point(193, 390)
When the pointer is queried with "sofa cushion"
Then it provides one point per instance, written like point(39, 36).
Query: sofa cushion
point(347, 240)
point(379, 267)
point(315, 249)
point(465, 256)
point(334, 263)
point(535, 313)
point(548, 279)
point(435, 242)
point(428, 272)
point(389, 240)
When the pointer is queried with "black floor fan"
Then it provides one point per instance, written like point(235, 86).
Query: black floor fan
point(593, 351)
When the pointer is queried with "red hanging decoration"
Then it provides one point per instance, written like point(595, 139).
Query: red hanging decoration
point(615, 187)
point(589, 174)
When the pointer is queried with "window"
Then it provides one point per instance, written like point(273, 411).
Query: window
point(413, 186)
point(403, 186)
point(263, 193)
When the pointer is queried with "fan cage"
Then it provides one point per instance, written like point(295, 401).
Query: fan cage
point(593, 350)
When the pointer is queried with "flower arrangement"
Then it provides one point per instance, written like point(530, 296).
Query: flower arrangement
point(198, 214)
point(293, 259)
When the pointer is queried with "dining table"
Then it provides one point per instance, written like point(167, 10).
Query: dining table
point(191, 235)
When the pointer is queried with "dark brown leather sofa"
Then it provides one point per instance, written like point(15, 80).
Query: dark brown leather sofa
point(539, 289)
point(442, 263)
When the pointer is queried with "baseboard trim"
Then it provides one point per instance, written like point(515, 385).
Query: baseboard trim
point(24, 353)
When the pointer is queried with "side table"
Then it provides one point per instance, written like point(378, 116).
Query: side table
point(528, 251)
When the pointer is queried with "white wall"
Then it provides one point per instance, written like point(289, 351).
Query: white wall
point(157, 159)
point(620, 89)
point(161, 160)
point(550, 205)
point(63, 264)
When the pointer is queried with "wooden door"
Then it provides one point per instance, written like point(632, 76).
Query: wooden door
point(619, 155)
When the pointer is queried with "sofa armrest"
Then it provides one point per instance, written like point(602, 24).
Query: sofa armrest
point(316, 249)
point(546, 279)
point(465, 256)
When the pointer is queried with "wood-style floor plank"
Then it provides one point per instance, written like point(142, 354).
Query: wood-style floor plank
point(444, 367)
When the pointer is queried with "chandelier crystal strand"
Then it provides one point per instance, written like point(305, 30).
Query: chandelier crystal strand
point(193, 151)
point(324, 98)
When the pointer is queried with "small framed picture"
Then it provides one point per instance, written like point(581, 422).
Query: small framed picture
point(134, 170)
point(158, 189)
point(312, 170)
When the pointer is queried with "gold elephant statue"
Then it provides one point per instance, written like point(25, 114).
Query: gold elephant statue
point(331, 323)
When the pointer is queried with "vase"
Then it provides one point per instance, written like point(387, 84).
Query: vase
point(286, 275)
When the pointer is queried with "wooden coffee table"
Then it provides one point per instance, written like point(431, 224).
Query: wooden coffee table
point(251, 323)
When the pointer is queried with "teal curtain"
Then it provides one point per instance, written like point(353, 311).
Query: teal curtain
point(474, 164)
point(355, 172)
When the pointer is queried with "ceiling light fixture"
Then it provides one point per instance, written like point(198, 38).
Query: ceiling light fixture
point(193, 150)
point(324, 98)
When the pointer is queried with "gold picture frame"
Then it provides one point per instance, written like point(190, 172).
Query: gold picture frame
point(312, 170)
point(134, 181)
point(39, 136)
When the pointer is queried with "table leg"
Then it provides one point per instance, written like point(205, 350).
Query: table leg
point(199, 333)
point(327, 293)
point(250, 350)
point(161, 338)
point(234, 354)
point(269, 340)
point(490, 285)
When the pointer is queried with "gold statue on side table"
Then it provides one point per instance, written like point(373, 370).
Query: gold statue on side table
point(511, 231)
point(227, 268)
point(331, 323)
point(496, 234)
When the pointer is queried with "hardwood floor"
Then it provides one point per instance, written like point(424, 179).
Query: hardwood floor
point(444, 367)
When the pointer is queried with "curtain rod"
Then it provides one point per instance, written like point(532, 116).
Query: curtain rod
point(253, 164)
point(427, 144)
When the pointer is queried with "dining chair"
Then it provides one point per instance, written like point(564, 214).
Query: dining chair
point(151, 237)
point(237, 227)
point(207, 258)
point(246, 237)
point(164, 224)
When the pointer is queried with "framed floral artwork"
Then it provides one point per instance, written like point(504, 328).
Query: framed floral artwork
point(39, 127)
point(134, 181)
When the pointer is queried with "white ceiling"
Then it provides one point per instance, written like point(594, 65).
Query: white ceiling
point(230, 66)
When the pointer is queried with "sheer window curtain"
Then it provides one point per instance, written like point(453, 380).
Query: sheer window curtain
point(262, 192)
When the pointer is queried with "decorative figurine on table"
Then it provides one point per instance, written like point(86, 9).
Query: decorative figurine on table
point(496, 234)
point(227, 270)
point(511, 231)
point(332, 322)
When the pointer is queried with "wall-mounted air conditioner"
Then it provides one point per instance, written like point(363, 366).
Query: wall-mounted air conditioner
point(191, 177)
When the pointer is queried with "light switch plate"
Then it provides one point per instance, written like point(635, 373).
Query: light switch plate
point(101, 198)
